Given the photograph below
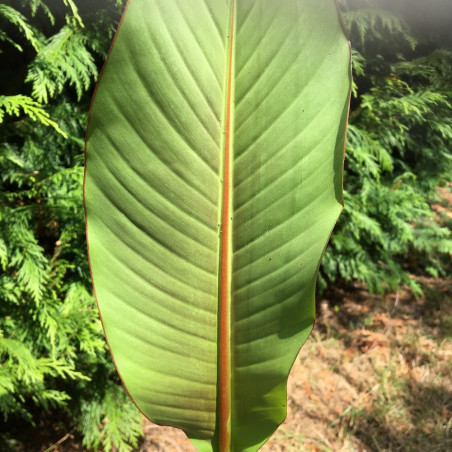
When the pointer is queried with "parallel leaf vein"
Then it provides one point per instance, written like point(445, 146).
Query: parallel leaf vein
point(274, 121)
point(270, 185)
point(162, 288)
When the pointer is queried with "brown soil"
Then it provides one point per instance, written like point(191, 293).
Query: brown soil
point(375, 375)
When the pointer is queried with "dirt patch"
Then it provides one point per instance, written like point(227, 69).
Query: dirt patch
point(375, 375)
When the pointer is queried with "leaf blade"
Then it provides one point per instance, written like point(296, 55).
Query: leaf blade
point(178, 233)
point(286, 206)
point(154, 197)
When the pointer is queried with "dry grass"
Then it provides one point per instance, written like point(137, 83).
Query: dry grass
point(375, 375)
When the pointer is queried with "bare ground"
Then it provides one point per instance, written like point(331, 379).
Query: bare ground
point(375, 375)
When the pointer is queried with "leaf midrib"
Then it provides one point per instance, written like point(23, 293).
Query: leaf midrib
point(224, 345)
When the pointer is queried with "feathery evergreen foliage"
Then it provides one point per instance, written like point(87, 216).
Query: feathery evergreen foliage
point(398, 153)
point(53, 355)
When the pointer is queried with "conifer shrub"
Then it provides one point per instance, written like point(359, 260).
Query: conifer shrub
point(53, 356)
point(397, 156)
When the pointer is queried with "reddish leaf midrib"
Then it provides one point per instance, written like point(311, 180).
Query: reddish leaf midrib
point(225, 256)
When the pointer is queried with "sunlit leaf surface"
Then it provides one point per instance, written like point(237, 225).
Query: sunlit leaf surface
point(214, 178)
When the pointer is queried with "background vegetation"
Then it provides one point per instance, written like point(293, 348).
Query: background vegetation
point(52, 352)
point(398, 149)
point(53, 358)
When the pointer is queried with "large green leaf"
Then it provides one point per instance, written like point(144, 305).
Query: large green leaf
point(213, 181)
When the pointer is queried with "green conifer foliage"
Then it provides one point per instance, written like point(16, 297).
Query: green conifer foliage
point(398, 153)
point(53, 356)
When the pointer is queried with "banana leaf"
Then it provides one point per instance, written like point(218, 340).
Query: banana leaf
point(214, 163)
